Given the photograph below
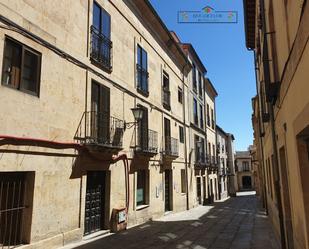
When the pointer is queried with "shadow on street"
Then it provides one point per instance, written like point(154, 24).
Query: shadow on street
point(236, 223)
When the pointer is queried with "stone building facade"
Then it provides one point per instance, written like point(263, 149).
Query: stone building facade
point(211, 138)
point(244, 171)
point(69, 82)
point(277, 32)
point(222, 154)
point(98, 121)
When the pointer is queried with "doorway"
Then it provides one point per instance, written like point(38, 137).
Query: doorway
point(168, 190)
point(95, 202)
point(246, 182)
point(198, 190)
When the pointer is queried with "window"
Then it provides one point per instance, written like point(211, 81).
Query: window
point(16, 198)
point(209, 149)
point(245, 166)
point(21, 67)
point(208, 117)
point(166, 94)
point(194, 77)
point(181, 134)
point(195, 113)
point(141, 188)
point(200, 84)
point(143, 131)
point(180, 95)
point(212, 119)
point(142, 70)
point(183, 181)
point(197, 148)
point(101, 45)
point(201, 117)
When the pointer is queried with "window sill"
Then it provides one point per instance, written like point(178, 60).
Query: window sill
point(144, 93)
point(141, 207)
point(30, 93)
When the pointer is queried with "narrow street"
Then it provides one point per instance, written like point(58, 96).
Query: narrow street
point(236, 223)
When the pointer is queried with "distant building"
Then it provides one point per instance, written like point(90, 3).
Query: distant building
point(232, 180)
point(244, 171)
point(222, 142)
point(211, 148)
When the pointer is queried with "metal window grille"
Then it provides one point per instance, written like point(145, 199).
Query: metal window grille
point(12, 206)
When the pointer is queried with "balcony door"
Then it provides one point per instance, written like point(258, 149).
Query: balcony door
point(167, 134)
point(100, 113)
point(143, 130)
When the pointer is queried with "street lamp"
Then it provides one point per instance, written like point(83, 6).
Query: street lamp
point(138, 115)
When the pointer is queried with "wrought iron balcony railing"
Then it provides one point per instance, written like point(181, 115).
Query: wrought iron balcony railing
point(101, 49)
point(147, 141)
point(200, 158)
point(171, 146)
point(166, 98)
point(97, 128)
point(142, 79)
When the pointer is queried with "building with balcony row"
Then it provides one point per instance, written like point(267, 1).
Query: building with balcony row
point(107, 121)
point(277, 32)
point(244, 171)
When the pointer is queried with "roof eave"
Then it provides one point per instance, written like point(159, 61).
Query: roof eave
point(249, 19)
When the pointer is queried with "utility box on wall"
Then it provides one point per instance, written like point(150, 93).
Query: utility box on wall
point(119, 219)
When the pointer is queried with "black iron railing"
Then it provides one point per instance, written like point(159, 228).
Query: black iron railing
point(97, 128)
point(142, 79)
point(147, 141)
point(101, 49)
point(166, 98)
point(171, 146)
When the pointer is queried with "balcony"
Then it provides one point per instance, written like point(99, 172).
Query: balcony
point(100, 132)
point(147, 142)
point(200, 160)
point(171, 147)
point(166, 99)
point(101, 50)
point(142, 80)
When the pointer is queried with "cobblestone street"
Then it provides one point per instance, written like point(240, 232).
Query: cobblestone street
point(237, 223)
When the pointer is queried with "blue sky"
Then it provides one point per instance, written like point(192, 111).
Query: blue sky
point(230, 67)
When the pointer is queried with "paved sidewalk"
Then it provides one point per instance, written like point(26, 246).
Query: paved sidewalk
point(236, 223)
